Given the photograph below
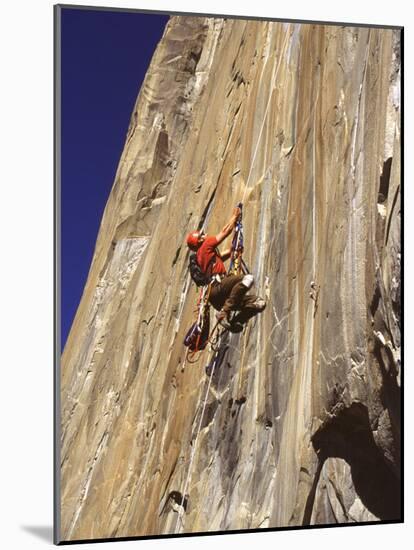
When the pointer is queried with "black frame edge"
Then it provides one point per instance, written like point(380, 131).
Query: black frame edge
point(402, 268)
point(230, 16)
point(232, 532)
point(56, 269)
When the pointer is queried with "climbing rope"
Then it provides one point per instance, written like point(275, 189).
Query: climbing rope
point(194, 447)
point(272, 87)
point(237, 264)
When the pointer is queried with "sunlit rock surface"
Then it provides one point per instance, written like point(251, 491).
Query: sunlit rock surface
point(302, 418)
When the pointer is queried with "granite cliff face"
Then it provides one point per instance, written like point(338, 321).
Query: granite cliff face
point(302, 417)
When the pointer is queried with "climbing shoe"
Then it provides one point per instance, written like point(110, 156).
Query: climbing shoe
point(236, 327)
point(223, 318)
point(259, 304)
point(225, 323)
point(221, 315)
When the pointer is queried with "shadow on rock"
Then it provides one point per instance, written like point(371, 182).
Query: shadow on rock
point(348, 436)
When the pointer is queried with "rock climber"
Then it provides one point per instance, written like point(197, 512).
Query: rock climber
point(228, 293)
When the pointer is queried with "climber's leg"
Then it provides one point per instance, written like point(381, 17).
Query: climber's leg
point(235, 288)
point(251, 306)
point(220, 292)
point(237, 293)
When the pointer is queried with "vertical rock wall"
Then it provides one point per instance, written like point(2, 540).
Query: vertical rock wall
point(302, 416)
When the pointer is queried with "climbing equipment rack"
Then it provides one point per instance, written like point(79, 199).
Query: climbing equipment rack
point(237, 264)
point(237, 245)
point(197, 337)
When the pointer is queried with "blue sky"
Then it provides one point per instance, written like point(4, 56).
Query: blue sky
point(105, 56)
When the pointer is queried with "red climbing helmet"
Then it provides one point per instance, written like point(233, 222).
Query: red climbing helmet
point(193, 239)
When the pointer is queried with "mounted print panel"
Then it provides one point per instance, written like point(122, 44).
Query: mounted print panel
point(230, 240)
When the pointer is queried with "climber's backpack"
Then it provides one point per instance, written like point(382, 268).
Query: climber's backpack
point(199, 277)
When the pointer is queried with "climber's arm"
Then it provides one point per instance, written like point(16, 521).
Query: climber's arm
point(225, 255)
point(228, 228)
